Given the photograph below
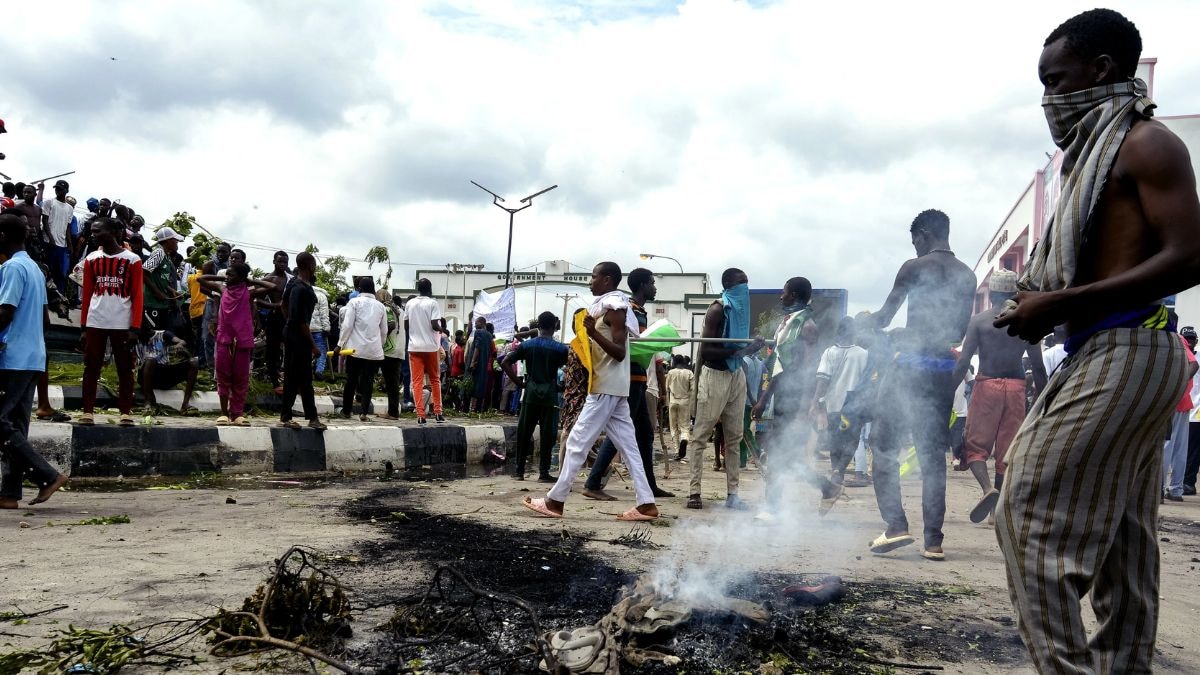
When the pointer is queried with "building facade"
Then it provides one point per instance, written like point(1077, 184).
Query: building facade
point(1025, 223)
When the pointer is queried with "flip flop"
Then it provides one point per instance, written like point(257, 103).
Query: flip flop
point(288, 424)
point(884, 543)
point(539, 505)
point(986, 505)
point(633, 515)
point(933, 555)
point(222, 421)
point(56, 416)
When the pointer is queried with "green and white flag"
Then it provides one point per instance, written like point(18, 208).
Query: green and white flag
point(642, 352)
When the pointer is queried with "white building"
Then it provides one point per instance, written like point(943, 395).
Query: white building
point(557, 283)
point(1010, 246)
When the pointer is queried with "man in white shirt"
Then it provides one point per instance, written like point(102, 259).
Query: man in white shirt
point(609, 323)
point(839, 373)
point(425, 325)
point(363, 330)
point(56, 218)
point(1055, 351)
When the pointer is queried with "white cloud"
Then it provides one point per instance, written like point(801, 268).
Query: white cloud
point(784, 138)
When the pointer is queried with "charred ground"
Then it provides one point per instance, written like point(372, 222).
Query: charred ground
point(878, 626)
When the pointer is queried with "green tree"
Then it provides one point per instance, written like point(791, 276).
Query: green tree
point(379, 254)
point(331, 272)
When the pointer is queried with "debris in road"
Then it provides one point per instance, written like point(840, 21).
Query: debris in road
point(230, 500)
point(104, 520)
point(828, 590)
point(301, 608)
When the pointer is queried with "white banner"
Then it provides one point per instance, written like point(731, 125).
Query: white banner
point(498, 309)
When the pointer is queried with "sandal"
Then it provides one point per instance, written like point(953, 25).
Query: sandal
point(694, 502)
point(884, 543)
point(56, 416)
point(288, 424)
point(223, 420)
point(633, 515)
point(241, 422)
point(539, 505)
point(986, 505)
point(87, 419)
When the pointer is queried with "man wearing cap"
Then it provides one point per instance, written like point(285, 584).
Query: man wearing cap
point(56, 218)
point(159, 277)
point(997, 404)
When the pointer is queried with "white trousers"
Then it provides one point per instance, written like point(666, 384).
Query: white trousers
point(610, 414)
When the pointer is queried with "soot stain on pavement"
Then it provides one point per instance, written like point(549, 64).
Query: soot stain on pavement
point(877, 622)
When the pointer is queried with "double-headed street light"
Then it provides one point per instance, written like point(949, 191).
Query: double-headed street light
point(528, 202)
point(648, 256)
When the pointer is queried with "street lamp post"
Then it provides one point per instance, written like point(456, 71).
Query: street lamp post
point(457, 268)
point(648, 256)
point(528, 202)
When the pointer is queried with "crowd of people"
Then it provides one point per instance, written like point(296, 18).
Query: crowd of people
point(1074, 433)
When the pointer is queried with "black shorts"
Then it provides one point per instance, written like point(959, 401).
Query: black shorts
point(168, 376)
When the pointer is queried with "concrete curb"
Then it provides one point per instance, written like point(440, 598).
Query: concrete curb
point(71, 397)
point(108, 451)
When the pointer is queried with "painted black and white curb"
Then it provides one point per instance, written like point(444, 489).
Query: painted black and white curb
point(108, 451)
point(71, 398)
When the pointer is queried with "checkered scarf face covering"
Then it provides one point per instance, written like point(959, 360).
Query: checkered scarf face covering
point(1089, 126)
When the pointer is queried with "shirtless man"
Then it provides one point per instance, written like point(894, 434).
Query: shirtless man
point(919, 387)
point(1079, 508)
point(998, 400)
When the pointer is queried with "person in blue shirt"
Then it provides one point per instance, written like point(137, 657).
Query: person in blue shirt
point(543, 356)
point(23, 318)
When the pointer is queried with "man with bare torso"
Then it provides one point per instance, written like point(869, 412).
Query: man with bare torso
point(1079, 506)
point(917, 392)
point(998, 398)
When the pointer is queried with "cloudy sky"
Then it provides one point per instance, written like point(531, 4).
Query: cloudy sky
point(781, 137)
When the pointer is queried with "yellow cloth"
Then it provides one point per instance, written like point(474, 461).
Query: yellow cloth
point(196, 306)
point(582, 346)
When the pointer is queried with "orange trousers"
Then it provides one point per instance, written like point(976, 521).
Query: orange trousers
point(420, 364)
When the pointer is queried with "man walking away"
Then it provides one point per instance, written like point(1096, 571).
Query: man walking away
point(299, 347)
point(23, 318)
point(112, 314)
point(364, 330)
point(425, 326)
point(940, 291)
point(997, 404)
point(543, 356)
point(1079, 508)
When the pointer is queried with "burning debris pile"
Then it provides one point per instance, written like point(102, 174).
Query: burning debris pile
point(639, 630)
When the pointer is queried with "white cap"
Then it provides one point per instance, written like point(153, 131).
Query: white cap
point(167, 233)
